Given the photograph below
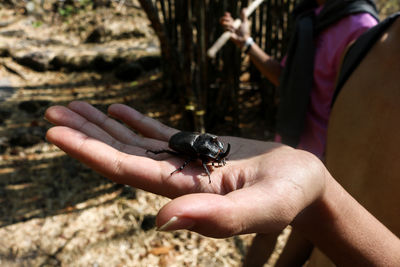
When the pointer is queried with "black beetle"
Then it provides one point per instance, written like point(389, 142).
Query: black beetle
point(205, 147)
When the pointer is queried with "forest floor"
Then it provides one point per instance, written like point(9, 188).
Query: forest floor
point(53, 210)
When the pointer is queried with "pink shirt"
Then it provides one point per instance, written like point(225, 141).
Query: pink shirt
point(330, 45)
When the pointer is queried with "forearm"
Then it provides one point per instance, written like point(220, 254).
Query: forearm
point(346, 232)
point(267, 65)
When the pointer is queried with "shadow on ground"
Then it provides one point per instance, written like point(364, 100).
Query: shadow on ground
point(36, 179)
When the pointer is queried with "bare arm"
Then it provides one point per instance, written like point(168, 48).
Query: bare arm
point(266, 64)
point(346, 232)
point(263, 188)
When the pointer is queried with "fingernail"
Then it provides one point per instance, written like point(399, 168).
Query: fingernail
point(177, 223)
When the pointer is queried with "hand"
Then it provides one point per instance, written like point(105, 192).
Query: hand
point(262, 188)
point(239, 35)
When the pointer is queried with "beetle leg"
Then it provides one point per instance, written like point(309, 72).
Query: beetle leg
point(183, 166)
point(207, 171)
point(220, 163)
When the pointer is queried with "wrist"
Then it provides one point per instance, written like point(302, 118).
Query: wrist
point(247, 44)
point(345, 231)
point(318, 210)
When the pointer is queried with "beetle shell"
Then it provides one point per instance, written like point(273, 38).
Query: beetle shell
point(195, 145)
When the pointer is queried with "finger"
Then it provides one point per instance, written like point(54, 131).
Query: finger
point(226, 20)
point(114, 128)
point(245, 19)
point(227, 15)
point(143, 124)
point(63, 116)
point(201, 213)
point(230, 28)
point(239, 212)
point(134, 170)
point(98, 118)
point(226, 23)
point(243, 16)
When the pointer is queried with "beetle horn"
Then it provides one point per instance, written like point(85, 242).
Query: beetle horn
point(223, 155)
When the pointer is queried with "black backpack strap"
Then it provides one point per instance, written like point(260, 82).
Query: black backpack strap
point(359, 49)
point(296, 80)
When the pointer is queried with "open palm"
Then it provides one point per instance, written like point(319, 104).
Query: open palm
point(261, 189)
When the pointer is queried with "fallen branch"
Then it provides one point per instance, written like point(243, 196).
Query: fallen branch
point(212, 51)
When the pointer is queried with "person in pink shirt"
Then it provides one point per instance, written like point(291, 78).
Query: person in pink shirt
point(330, 47)
point(330, 43)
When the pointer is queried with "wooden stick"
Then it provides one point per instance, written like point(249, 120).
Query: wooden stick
point(212, 51)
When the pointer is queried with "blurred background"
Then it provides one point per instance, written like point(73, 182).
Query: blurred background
point(150, 55)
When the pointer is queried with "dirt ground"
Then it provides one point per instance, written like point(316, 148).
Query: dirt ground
point(53, 210)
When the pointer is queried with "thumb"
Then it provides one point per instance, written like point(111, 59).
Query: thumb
point(242, 211)
point(243, 16)
point(208, 214)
